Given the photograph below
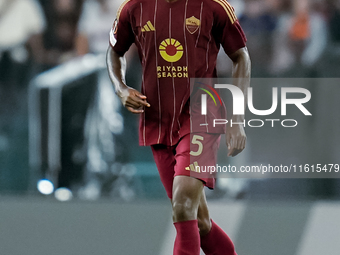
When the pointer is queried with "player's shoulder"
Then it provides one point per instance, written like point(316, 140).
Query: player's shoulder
point(218, 4)
point(127, 5)
point(222, 8)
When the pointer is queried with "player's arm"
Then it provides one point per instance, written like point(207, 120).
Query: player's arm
point(132, 99)
point(235, 135)
point(229, 32)
point(121, 38)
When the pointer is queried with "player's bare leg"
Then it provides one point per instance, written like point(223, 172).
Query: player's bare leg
point(187, 192)
point(203, 218)
point(194, 227)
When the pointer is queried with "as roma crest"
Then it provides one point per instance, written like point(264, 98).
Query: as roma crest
point(192, 24)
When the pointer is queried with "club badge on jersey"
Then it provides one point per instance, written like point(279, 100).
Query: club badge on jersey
point(113, 32)
point(192, 24)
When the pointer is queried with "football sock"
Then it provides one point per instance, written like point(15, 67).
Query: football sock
point(187, 240)
point(217, 242)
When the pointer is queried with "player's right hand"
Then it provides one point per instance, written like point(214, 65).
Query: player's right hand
point(133, 100)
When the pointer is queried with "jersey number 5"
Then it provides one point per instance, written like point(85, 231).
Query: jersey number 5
point(196, 139)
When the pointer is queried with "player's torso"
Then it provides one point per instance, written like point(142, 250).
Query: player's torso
point(174, 39)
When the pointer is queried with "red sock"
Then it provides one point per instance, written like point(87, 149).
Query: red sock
point(187, 241)
point(217, 242)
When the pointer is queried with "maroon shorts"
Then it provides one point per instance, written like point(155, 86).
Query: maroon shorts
point(191, 156)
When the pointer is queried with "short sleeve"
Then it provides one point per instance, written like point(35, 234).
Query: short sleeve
point(227, 28)
point(121, 34)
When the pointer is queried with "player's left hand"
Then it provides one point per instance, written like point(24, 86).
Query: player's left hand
point(235, 139)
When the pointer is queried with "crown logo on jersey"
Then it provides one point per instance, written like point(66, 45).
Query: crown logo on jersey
point(148, 27)
point(192, 24)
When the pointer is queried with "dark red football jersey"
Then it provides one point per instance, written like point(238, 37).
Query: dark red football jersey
point(176, 41)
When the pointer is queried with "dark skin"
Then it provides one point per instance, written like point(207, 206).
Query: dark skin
point(188, 201)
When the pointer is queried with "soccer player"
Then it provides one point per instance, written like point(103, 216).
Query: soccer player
point(178, 40)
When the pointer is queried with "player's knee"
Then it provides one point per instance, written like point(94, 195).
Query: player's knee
point(184, 210)
point(204, 225)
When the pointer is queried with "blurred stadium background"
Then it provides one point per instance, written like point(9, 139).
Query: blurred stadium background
point(65, 138)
